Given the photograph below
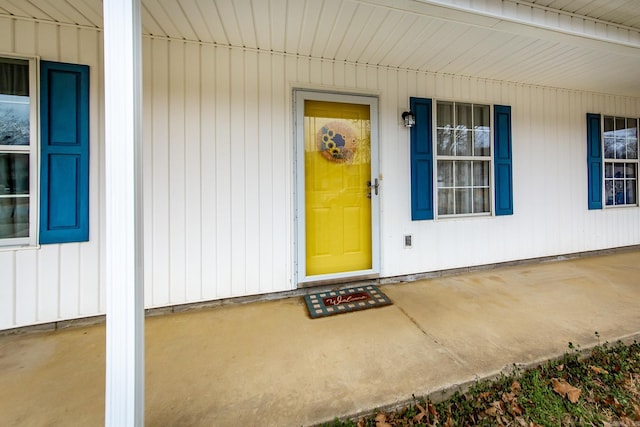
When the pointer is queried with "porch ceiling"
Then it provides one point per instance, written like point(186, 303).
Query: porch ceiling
point(560, 43)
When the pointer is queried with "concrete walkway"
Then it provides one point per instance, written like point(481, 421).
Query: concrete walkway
point(269, 364)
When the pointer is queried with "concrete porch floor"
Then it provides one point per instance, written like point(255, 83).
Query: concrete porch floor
point(269, 364)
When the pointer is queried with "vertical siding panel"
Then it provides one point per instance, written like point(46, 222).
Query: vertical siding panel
point(338, 74)
point(252, 155)
point(328, 69)
point(350, 75)
point(69, 280)
point(24, 39)
point(303, 70)
point(537, 157)
point(7, 289)
point(193, 154)
point(160, 183)
point(177, 217)
point(223, 172)
point(361, 76)
point(238, 178)
point(48, 296)
point(281, 165)
point(68, 44)
point(90, 271)
point(47, 39)
point(316, 70)
point(208, 172)
point(27, 294)
point(147, 167)
point(99, 129)
point(6, 34)
point(265, 185)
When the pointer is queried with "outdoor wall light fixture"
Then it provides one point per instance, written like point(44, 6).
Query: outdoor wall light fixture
point(409, 119)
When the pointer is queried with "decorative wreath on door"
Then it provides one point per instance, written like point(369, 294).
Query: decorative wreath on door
point(337, 141)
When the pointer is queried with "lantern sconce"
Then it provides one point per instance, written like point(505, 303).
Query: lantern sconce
point(409, 119)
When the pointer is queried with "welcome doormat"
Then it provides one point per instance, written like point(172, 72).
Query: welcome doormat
point(328, 303)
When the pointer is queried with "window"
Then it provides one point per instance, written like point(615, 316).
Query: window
point(473, 172)
point(463, 153)
point(16, 152)
point(55, 196)
point(620, 138)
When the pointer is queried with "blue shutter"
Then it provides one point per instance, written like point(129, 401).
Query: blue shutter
point(594, 160)
point(421, 160)
point(502, 160)
point(64, 152)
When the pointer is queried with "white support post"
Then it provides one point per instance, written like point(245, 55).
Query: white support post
point(124, 395)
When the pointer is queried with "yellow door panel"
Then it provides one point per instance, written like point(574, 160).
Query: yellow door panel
point(337, 168)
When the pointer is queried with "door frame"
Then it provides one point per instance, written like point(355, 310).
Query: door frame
point(299, 214)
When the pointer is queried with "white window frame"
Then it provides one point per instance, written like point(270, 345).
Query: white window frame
point(34, 160)
point(613, 162)
point(437, 157)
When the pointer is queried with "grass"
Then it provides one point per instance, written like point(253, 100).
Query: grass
point(598, 389)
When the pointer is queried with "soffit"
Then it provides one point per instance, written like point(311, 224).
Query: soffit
point(425, 35)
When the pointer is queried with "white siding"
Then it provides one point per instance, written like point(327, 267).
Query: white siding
point(218, 175)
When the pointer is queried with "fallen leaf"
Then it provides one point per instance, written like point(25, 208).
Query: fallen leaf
point(516, 409)
point(636, 412)
point(565, 389)
point(560, 367)
point(381, 420)
point(508, 397)
point(515, 386)
point(521, 422)
point(598, 370)
point(492, 412)
point(423, 413)
point(449, 422)
point(432, 409)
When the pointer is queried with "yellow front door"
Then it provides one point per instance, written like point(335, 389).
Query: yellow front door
point(337, 162)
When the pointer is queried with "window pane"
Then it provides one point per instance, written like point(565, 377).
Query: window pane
point(14, 102)
point(608, 124)
point(608, 191)
point(482, 142)
point(630, 170)
point(445, 201)
point(14, 217)
point(14, 77)
point(463, 116)
point(608, 170)
point(480, 200)
point(463, 174)
point(445, 114)
point(463, 145)
point(445, 142)
point(618, 170)
point(618, 186)
point(631, 191)
point(445, 173)
point(632, 148)
point(620, 126)
point(632, 128)
point(463, 201)
point(481, 116)
point(480, 174)
point(14, 120)
point(609, 148)
point(14, 173)
point(621, 148)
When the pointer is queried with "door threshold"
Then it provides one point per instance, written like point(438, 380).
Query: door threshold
point(371, 278)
